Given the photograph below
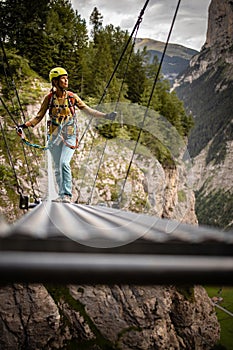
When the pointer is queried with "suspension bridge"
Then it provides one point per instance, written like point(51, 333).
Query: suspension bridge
point(74, 243)
point(85, 243)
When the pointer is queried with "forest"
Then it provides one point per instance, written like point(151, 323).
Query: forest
point(51, 33)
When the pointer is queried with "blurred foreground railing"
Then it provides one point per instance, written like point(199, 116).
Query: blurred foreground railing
point(68, 243)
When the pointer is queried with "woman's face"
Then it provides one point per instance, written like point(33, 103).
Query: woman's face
point(63, 81)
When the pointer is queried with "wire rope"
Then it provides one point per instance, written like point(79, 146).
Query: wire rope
point(119, 94)
point(19, 188)
point(24, 153)
point(149, 101)
point(29, 174)
point(119, 61)
point(136, 27)
point(22, 112)
point(12, 80)
point(8, 111)
point(17, 96)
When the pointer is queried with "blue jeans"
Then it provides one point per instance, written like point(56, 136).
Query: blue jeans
point(62, 156)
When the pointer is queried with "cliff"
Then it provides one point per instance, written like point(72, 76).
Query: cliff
point(102, 317)
point(206, 89)
point(220, 25)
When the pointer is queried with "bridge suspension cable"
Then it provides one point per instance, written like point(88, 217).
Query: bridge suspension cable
point(149, 102)
point(19, 188)
point(147, 108)
point(133, 34)
point(116, 106)
point(11, 85)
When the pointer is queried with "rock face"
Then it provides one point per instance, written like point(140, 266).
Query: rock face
point(220, 25)
point(29, 317)
point(100, 317)
point(150, 187)
point(206, 89)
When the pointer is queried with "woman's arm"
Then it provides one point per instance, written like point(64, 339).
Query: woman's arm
point(93, 112)
point(40, 115)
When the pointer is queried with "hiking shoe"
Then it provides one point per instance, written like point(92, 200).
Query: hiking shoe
point(58, 199)
point(66, 199)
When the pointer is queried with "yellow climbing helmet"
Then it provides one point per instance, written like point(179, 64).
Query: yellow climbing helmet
point(56, 72)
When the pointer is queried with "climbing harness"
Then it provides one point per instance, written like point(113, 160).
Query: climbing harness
point(57, 120)
point(64, 127)
point(52, 99)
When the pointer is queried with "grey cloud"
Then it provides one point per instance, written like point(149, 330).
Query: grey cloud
point(127, 22)
point(189, 29)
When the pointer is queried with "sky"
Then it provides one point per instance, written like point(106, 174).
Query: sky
point(189, 29)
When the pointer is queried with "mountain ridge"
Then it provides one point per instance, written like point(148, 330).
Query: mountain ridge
point(176, 59)
point(172, 48)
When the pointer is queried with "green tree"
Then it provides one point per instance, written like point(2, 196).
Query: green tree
point(136, 78)
point(96, 20)
point(101, 61)
point(165, 102)
point(22, 23)
point(47, 33)
point(101, 66)
point(67, 35)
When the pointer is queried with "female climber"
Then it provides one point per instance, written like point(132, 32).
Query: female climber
point(62, 105)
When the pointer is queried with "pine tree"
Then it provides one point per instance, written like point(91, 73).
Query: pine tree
point(136, 78)
point(68, 37)
point(100, 58)
point(96, 19)
point(22, 23)
point(47, 33)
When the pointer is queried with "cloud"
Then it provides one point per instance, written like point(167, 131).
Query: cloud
point(189, 29)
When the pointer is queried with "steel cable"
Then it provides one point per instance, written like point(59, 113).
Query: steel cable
point(149, 101)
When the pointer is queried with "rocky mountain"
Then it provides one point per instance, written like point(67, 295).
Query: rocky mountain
point(176, 59)
point(206, 89)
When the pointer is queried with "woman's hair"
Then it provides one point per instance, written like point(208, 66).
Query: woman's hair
point(55, 79)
